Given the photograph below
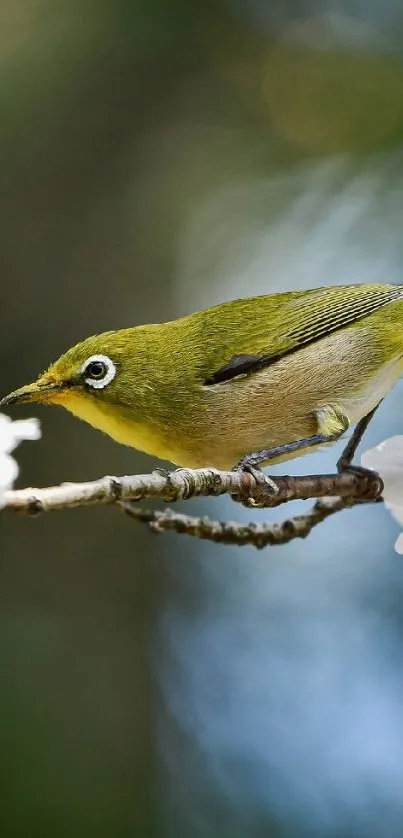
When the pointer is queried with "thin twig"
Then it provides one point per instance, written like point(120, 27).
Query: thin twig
point(185, 483)
point(231, 532)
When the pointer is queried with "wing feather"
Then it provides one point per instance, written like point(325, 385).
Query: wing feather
point(287, 322)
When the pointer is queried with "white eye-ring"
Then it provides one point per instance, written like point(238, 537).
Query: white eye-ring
point(99, 370)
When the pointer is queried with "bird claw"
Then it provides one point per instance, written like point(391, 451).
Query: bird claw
point(349, 468)
point(374, 480)
point(164, 472)
point(268, 486)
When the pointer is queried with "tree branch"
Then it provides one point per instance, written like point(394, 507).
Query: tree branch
point(231, 532)
point(337, 491)
point(183, 484)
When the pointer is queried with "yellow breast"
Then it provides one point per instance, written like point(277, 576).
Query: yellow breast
point(105, 419)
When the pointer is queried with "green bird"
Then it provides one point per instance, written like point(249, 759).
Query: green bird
point(245, 382)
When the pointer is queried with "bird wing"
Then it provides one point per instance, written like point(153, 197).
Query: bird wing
point(284, 323)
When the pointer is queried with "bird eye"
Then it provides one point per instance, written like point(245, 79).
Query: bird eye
point(98, 371)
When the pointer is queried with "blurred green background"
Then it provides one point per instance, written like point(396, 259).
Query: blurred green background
point(158, 157)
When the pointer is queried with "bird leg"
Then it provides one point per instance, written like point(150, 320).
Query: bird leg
point(331, 418)
point(345, 462)
point(252, 461)
point(332, 423)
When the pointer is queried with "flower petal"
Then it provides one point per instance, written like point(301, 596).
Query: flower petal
point(12, 433)
point(5, 423)
point(387, 459)
point(26, 429)
point(396, 512)
point(8, 473)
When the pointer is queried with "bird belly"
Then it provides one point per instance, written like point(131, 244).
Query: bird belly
point(357, 407)
point(285, 403)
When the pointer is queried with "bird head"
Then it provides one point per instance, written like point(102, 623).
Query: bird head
point(90, 370)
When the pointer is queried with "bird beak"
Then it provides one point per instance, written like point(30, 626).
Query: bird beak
point(42, 390)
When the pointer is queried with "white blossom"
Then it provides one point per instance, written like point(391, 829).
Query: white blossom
point(11, 434)
point(387, 460)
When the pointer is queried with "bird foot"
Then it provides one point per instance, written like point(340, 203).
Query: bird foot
point(374, 480)
point(264, 482)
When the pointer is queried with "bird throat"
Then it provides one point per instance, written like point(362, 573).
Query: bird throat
point(122, 429)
